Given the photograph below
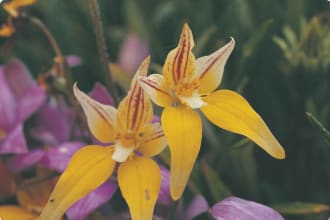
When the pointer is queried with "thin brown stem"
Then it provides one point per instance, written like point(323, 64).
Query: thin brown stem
point(101, 47)
point(61, 60)
point(59, 55)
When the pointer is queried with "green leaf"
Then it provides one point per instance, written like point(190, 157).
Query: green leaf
point(135, 17)
point(202, 41)
point(217, 188)
point(301, 208)
point(257, 38)
point(318, 125)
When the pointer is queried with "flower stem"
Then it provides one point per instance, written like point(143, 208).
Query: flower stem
point(59, 55)
point(65, 72)
point(101, 46)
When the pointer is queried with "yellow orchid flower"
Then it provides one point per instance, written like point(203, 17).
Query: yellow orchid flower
point(188, 83)
point(131, 138)
point(13, 6)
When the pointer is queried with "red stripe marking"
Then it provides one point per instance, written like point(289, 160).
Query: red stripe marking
point(139, 105)
point(215, 60)
point(173, 66)
point(100, 111)
point(187, 57)
point(129, 106)
point(154, 86)
point(154, 137)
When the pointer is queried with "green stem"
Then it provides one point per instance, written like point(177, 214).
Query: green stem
point(101, 46)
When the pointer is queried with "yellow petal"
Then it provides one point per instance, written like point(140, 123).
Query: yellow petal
point(135, 110)
point(101, 118)
point(6, 30)
point(183, 130)
point(88, 169)
point(232, 112)
point(12, 212)
point(210, 68)
point(153, 140)
point(157, 90)
point(180, 62)
point(12, 7)
point(139, 181)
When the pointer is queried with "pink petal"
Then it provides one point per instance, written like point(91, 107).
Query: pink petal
point(14, 142)
point(233, 208)
point(28, 95)
point(52, 125)
point(197, 206)
point(132, 53)
point(24, 161)
point(18, 77)
point(164, 196)
point(8, 104)
point(81, 209)
point(100, 94)
point(57, 158)
point(30, 102)
point(73, 60)
point(155, 119)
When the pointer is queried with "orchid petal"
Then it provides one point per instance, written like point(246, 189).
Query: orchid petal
point(81, 209)
point(132, 53)
point(183, 130)
point(155, 119)
point(136, 109)
point(52, 126)
point(197, 206)
point(21, 3)
point(230, 111)
point(14, 142)
point(18, 77)
point(180, 62)
point(139, 181)
point(15, 213)
point(210, 68)
point(100, 94)
point(153, 141)
point(157, 90)
point(194, 101)
point(57, 158)
point(28, 94)
point(89, 168)
point(101, 118)
point(8, 104)
point(30, 102)
point(12, 6)
point(164, 196)
point(73, 60)
point(24, 161)
point(121, 153)
point(233, 208)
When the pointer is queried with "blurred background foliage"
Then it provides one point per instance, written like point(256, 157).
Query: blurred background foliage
point(281, 64)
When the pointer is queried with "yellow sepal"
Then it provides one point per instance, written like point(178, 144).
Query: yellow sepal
point(230, 111)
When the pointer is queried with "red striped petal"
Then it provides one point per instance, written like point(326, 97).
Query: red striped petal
point(180, 62)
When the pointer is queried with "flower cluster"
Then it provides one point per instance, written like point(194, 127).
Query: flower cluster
point(130, 137)
point(78, 162)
